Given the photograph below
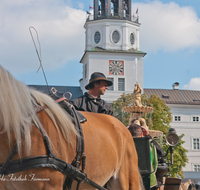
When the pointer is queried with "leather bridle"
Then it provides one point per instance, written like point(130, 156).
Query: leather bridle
point(50, 160)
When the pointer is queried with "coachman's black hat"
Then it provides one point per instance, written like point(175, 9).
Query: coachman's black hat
point(98, 77)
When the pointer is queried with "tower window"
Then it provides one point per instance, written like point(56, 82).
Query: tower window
point(111, 87)
point(85, 71)
point(121, 84)
point(97, 37)
point(126, 7)
point(101, 8)
point(115, 36)
point(115, 7)
point(132, 39)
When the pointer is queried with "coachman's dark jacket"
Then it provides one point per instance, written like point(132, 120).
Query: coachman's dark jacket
point(90, 104)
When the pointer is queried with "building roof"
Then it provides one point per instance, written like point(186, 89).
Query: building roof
point(74, 90)
point(99, 49)
point(189, 97)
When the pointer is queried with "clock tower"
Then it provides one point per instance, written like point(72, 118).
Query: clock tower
point(112, 47)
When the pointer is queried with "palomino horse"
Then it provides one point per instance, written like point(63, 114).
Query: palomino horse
point(110, 151)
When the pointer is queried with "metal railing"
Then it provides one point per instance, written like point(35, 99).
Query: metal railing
point(90, 17)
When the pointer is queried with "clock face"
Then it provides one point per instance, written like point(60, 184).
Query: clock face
point(116, 67)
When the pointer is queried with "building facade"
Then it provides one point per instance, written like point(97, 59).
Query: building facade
point(185, 109)
point(112, 47)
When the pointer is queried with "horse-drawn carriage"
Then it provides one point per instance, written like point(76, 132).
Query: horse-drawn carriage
point(152, 161)
point(41, 149)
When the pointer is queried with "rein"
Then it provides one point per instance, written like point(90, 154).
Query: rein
point(50, 160)
point(39, 108)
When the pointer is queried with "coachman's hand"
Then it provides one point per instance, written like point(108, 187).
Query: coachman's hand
point(145, 131)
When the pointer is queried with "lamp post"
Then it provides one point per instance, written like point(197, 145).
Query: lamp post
point(172, 140)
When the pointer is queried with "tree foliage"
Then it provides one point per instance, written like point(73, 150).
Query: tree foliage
point(159, 119)
point(123, 101)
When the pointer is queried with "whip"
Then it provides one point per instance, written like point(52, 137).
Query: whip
point(39, 54)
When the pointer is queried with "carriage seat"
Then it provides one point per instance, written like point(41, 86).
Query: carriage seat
point(81, 117)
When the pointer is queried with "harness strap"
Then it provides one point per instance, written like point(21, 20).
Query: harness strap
point(38, 109)
point(5, 165)
point(80, 155)
point(49, 160)
point(45, 161)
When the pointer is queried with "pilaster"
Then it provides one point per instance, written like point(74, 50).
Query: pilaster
point(129, 9)
point(124, 37)
point(108, 8)
point(88, 38)
point(106, 39)
point(120, 8)
point(138, 39)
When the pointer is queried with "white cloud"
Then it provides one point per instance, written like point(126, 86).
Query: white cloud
point(168, 27)
point(194, 84)
point(60, 30)
point(81, 5)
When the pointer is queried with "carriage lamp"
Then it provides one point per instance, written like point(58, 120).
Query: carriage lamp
point(172, 140)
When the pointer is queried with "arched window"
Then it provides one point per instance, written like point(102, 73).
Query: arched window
point(101, 8)
point(115, 7)
point(112, 9)
point(126, 8)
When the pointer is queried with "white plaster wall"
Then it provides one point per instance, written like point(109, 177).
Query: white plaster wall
point(106, 27)
point(189, 128)
point(99, 62)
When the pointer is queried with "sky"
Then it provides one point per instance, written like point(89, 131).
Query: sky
point(169, 34)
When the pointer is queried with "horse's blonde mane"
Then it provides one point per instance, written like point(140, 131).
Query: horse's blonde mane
point(17, 113)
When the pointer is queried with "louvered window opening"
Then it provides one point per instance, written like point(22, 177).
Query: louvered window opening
point(121, 84)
